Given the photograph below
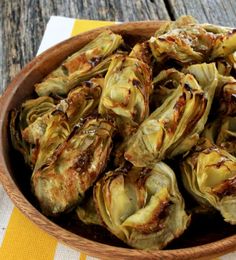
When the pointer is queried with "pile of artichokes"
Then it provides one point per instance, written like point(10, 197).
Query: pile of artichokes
point(112, 116)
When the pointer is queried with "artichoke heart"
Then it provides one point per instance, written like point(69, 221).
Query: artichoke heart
point(141, 206)
point(209, 175)
point(93, 59)
point(126, 91)
point(174, 127)
point(76, 164)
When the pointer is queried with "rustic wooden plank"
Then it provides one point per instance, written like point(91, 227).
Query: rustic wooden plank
point(212, 11)
point(23, 23)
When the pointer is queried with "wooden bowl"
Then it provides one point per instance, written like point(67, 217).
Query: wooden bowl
point(202, 240)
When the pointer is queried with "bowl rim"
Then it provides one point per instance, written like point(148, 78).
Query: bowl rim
point(78, 242)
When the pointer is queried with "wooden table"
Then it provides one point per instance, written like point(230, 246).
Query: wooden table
point(23, 22)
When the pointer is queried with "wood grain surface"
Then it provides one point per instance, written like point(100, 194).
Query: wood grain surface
point(23, 22)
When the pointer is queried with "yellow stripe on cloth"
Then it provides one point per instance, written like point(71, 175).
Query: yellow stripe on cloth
point(86, 25)
point(24, 240)
point(82, 256)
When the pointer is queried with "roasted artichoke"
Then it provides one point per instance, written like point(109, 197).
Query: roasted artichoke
point(141, 206)
point(126, 92)
point(209, 174)
point(60, 184)
point(174, 127)
point(93, 59)
point(188, 42)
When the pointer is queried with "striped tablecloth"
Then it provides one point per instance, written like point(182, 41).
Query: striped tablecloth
point(20, 239)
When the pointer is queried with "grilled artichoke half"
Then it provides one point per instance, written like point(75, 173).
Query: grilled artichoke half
point(93, 59)
point(126, 92)
point(75, 165)
point(209, 174)
point(142, 207)
point(174, 127)
point(188, 42)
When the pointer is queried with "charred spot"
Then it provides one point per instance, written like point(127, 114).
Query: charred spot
point(143, 177)
point(161, 39)
point(58, 112)
point(136, 83)
point(73, 132)
point(83, 161)
point(232, 32)
point(164, 212)
point(88, 84)
point(180, 103)
point(187, 87)
point(157, 222)
point(56, 97)
point(170, 39)
point(94, 61)
point(219, 164)
point(227, 188)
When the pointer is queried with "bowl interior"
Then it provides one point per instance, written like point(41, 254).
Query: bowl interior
point(203, 229)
